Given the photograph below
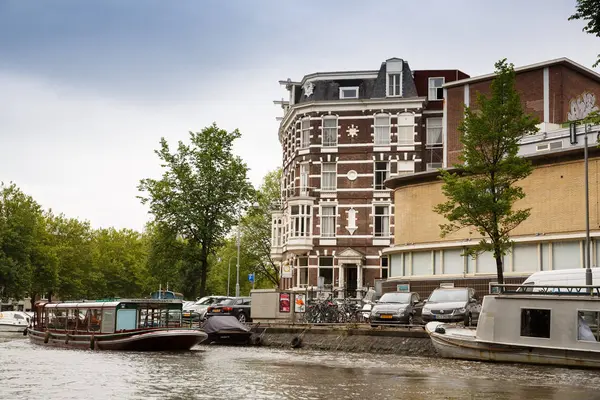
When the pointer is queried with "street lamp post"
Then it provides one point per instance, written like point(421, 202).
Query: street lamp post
point(237, 280)
point(229, 274)
point(588, 271)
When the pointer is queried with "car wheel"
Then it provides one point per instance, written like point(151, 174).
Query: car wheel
point(242, 317)
point(410, 319)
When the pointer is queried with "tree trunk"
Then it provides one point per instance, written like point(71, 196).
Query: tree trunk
point(49, 297)
point(203, 270)
point(499, 267)
point(33, 296)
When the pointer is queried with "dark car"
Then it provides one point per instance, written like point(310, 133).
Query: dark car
point(396, 308)
point(239, 307)
point(452, 305)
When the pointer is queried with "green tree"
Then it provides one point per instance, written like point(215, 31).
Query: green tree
point(199, 194)
point(482, 193)
point(44, 261)
point(19, 224)
point(256, 230)
point(589, 11)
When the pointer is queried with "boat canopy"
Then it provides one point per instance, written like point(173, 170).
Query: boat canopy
point(121, 303)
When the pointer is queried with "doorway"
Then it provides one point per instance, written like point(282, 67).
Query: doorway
point(350, 278)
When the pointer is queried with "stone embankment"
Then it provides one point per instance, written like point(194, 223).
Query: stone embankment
point(351, 338)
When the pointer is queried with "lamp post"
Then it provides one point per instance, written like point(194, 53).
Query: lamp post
point(229, 274)
point(255, 205)
point(588, 271)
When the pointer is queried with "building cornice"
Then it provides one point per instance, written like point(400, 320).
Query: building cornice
point(557, 61)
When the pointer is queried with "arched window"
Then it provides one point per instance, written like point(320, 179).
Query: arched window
point(330, 131)
point(382, 130)
point(406, 128)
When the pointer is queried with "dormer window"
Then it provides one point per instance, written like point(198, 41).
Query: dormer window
point(350, 92)
point(435, 88)
point(394, 85)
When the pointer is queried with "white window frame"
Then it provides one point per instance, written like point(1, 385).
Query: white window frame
point(333, 131)
point(378, 172)
point(434, 89)
point(342, 96)
point(332, 173)
point(382, 130)
point(304, 176)
point(305, 133)
point(428, 136)
point(403, 171)
point(300, 224)
point(410, 140)
point(434, 166)
point(386, 220)
point(392, 84)
point(329, 220)
point(277, 235)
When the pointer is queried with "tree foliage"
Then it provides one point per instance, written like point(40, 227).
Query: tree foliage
point(589, 11)
point(482, 193)
point(199, 194)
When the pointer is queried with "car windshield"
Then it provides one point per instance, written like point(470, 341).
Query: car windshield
point(403, 298)
point(447, 296)
point(205, 301)
point(226, 302)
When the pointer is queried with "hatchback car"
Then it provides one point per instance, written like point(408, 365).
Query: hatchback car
point(452, 305)
point(238, 307)
point(396, 308)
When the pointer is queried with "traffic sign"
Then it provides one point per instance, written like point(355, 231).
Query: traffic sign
point(250, 277)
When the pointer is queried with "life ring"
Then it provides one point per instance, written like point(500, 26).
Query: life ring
point(47, 337)
point(93, 343)
point(255, 340)
point(296, 342)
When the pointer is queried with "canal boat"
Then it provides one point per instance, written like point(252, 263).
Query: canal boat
point(548, 325)
point(131, 325)
point(13, 321)
point(226, 329)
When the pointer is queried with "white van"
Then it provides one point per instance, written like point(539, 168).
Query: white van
point(563, 277)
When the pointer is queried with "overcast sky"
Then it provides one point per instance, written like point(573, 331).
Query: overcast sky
point(87, 88)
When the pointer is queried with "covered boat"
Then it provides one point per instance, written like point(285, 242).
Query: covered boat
point(13, 321)
point(134, 325)
point(558, 325)
point(226, 329)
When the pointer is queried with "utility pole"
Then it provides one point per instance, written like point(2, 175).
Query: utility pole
point(237, 281)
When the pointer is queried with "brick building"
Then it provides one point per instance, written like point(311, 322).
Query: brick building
point(557, 92)
point(342, 135)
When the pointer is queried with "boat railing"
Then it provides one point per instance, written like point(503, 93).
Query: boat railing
point(571, 290)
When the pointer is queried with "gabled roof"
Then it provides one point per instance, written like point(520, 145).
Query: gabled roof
point(557, 61)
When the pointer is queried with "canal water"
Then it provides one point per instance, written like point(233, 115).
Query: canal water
point(33, 372)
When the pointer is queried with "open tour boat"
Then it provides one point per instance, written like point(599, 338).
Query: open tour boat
point(134, 325)
point(551, 325)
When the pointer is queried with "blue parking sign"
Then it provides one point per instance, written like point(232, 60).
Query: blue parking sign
point(250, 277)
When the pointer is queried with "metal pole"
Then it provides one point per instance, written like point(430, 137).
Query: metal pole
point(237, 281)
point(588, 271)
point(228, 275)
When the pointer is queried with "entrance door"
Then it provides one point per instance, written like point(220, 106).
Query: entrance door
point(350, 277)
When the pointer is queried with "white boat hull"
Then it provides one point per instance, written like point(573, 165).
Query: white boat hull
point(466, 347)
point(12, 328)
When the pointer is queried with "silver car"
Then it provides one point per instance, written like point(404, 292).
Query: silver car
point(197, 310)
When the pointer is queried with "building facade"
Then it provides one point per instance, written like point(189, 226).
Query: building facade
point(557, 92)
point(343, 134)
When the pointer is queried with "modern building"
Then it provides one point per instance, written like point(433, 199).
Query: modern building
point(343, 134)
point(557, 92)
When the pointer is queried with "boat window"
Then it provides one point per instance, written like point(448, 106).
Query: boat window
point(17, 316)
point(83, 317)
point(535, 323)
point(587, 326)
point(57, 319)
point(95, 320)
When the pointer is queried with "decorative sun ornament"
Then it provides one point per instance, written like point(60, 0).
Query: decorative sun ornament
point(308, 88)
point(352, 131)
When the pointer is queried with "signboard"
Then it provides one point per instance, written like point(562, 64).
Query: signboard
point(284, 302)
point(286, 270)
point(250, 277)
point(403, 287)
point(300, 303)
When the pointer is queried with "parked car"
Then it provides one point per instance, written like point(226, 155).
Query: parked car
point(452, 305)
point(396, 308)
point(197, 310)
point(238, 307)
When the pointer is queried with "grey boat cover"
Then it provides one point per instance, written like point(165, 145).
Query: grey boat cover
point(225, 322)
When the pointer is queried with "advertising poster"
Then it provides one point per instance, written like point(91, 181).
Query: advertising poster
point(300, 303)
point(284, 302)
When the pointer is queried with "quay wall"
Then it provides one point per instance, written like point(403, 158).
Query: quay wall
point(412, 341)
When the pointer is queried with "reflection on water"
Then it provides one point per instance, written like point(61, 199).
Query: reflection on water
point(33, 372)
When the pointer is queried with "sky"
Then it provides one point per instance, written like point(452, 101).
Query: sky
point(88, 88)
